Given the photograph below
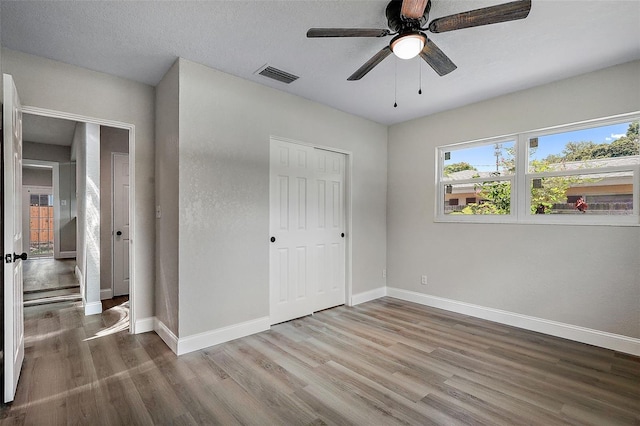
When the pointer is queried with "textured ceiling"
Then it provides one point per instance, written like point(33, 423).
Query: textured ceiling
point(140, 41)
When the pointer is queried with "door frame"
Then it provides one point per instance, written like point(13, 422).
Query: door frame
point(113, 219)
point(347, 204)
point(26, 214)
point(132, 199)
point(55, 171)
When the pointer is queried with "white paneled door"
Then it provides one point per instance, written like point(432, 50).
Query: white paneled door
point(307, 224)
point(14, 257)
point(329, 229)
point(120, 176)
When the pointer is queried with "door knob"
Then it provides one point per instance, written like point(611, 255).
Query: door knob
point(22, 256)
point(119, 233)
point(273, 239)
point(342, 235)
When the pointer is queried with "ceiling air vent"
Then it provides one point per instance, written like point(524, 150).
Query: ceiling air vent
point(276, 74)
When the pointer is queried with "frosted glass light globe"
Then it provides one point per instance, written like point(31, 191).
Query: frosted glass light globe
point(408, 46)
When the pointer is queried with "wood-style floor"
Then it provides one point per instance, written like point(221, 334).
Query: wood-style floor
point(49, 280)
point(42, 274)
point(384, 362)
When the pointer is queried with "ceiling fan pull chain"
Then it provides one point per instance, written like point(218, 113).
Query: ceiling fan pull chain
point(395, 86)
point(420, 74)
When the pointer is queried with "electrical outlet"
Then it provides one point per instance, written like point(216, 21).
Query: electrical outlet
point(384, 273)
point(423, 280)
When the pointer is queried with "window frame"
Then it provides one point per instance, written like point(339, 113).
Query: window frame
point(520, 211)
point(441, 184)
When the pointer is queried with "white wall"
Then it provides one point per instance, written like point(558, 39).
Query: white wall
point(87, 143)
point(78, 146)
point(225, 127)
point(167, 189)
point(56, 86)
point(586, 276)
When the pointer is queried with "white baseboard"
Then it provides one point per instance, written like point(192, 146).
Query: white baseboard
point(106, 293)
point(221, 335)
point(366, 296)
point(92, 308)
point(603, 339)
point(165, 334)
point(145, 325)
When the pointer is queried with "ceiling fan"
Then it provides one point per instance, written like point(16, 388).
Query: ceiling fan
point(407, 19)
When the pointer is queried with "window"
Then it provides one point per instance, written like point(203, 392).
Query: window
point(482, 174)
point(587, 173)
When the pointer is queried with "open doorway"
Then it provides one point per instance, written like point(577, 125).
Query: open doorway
point(38, 214)
point(48, 222)
point(68, 214)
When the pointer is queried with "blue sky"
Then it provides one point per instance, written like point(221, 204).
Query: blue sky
point(483, 158)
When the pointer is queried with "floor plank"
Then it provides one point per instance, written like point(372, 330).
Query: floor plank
point(384, 362)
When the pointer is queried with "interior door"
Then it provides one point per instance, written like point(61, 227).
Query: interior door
point(290, 255)
point(330, 236)
point(307, 255)
point(12, 184)
point(120, 176)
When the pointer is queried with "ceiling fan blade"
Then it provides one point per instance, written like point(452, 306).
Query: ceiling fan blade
point(413, 9)
point(347, 32)
point(484, 16)
point(437, 59)
point(368, 66)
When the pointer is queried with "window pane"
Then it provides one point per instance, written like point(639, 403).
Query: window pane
point(489, 198)
point(496, 159)
point(593, 194)
point(604, 146)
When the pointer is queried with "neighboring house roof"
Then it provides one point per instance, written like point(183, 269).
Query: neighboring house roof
point(569, 165)
point(470, 174)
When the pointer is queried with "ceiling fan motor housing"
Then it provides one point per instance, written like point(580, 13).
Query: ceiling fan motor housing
point(407, 21)
point(400, 24)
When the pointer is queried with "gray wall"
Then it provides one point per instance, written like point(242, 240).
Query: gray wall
point(225, 124)
point(53, 85)
point(37, 177)
point(46, 152)
point(67, 192)
point(167, 187)
point(581, 275)
point(111, 140)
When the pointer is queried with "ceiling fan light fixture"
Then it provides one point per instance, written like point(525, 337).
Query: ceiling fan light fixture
point(407, 46)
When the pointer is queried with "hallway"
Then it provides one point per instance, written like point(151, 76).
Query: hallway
point(48, 280)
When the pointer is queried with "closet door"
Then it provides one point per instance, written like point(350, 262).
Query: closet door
point(330, 254)
point(307, 250)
